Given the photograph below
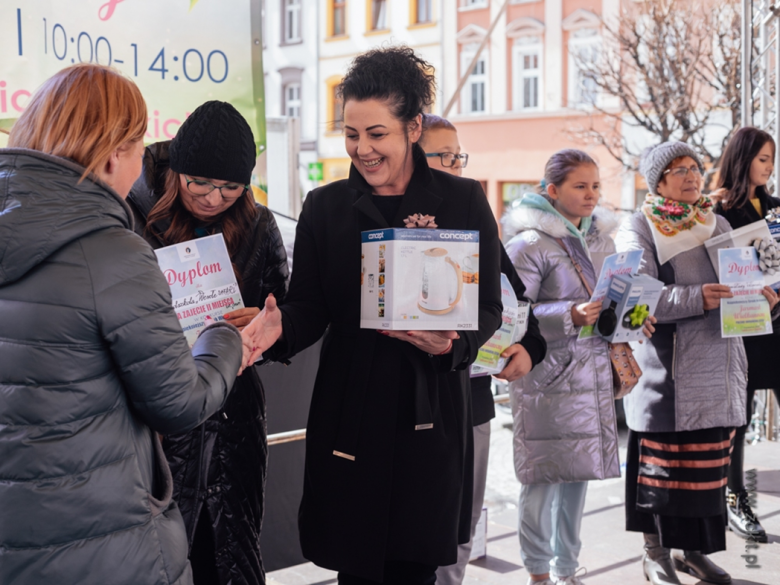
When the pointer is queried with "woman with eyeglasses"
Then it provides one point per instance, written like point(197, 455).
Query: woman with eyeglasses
point(683, 412)
point(441, 138)
point(193, 186)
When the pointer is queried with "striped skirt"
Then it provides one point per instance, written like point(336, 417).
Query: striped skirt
point(675, 487)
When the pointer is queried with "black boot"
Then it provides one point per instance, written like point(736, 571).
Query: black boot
point(698, 565)
point(742, 521)
point(657, 564)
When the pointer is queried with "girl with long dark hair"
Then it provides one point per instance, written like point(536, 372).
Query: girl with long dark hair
point(745, 169)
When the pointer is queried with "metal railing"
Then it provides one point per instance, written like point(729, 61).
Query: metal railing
point(300, 434)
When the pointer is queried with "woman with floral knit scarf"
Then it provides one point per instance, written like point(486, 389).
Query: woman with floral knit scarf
point(683, 412)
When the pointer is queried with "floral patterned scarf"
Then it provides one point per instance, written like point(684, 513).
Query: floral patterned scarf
point(678, 227)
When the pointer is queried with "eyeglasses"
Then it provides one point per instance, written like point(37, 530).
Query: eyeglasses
point(201, 188)
point(683, 171)
point(448, 158)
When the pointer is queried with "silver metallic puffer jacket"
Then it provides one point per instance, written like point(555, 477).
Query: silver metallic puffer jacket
point(692, 377)
point(564, 411)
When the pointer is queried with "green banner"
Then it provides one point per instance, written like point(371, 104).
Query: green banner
point(180, 53)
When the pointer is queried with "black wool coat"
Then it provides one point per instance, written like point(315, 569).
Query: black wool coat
point(761, 350)
point(222, 464)
point(407, 493)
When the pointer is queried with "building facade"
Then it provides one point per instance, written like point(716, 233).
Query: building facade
point(290, 45)
point(350, 27)
point(526, 94)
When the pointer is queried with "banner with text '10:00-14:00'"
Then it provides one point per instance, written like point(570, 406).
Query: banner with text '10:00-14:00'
point(180, 53)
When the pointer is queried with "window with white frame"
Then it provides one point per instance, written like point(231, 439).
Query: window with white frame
point(584, 54)
point(473, 3)
point(292, 100)
point(527, 74)
point(292, 21)
point(378, 14)
point(339, 18)
point(474, 94)
point(424, 11)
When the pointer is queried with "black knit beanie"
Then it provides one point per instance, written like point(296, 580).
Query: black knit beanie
point(215, 142)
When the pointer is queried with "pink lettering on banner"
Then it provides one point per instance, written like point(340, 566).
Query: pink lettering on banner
point(166, 124)
point(107, 10)
point(188, 276)
point(15, 99)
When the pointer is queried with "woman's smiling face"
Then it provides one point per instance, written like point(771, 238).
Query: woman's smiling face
point(380, 145)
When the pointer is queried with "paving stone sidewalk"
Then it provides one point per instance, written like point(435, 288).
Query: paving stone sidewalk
point(611, 555)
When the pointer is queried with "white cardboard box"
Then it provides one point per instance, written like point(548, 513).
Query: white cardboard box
point(419, 279)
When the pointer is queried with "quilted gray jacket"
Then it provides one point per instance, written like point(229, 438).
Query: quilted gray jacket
point(93, 364)
point(564, 412)
point(692, 377)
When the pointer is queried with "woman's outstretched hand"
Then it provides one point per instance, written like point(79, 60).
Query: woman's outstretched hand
point(264, 330)
point(432, 342)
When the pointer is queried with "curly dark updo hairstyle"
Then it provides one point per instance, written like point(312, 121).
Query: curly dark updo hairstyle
point(393, 74)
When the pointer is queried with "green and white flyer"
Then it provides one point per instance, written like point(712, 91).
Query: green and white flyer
point(514, 323)
point(747, 313)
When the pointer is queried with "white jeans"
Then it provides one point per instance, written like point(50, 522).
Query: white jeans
point(453, 574)
point(549, 527)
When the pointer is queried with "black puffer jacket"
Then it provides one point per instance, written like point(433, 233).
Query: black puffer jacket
point(223, 463)
point(92, 362)
point(761, 350)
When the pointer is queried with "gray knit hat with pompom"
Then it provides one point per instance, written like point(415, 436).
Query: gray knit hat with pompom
point(655, 159)
point(214, 142)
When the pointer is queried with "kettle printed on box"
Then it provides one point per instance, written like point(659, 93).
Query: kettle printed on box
point(420, 284)
point(439, 273)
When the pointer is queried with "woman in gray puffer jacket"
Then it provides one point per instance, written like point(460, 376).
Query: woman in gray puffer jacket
point(94, 362)
point(564, 412)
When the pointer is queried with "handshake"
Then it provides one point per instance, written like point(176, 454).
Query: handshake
point(259, 329)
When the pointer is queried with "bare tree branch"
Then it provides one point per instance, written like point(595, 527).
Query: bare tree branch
point(673, 67)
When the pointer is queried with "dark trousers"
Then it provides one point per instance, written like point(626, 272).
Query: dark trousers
point(737, 468)
point(397, 573)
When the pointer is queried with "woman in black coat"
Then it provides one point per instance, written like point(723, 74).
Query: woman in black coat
point(195, 186)
point(745, 169)
point(383, 502)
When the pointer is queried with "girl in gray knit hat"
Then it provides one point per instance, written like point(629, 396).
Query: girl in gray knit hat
point(682, 413)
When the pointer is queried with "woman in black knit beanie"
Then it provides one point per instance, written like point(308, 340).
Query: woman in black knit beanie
point(194, 186)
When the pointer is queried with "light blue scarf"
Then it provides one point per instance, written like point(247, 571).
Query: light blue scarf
point(535, 201)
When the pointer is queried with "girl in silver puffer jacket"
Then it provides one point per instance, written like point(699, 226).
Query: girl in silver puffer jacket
point(564, 413)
